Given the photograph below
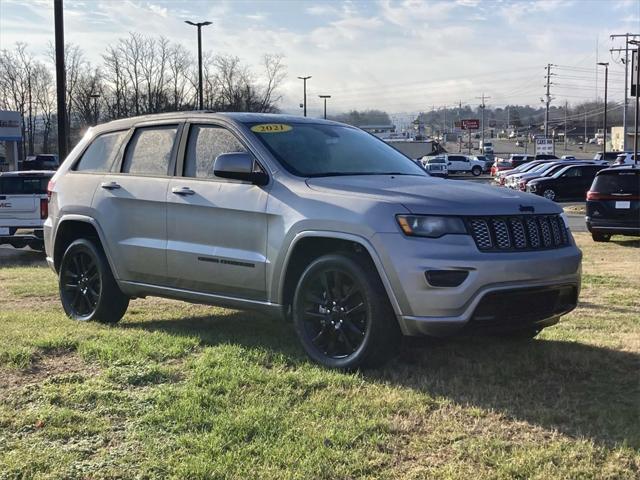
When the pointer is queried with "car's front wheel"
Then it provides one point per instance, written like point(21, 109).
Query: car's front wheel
point(549, 193)
point(88, 290)
point(476, 171)
point(342, 314)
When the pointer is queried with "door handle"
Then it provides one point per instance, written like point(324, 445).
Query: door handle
point(110, 185)
point(182, 191)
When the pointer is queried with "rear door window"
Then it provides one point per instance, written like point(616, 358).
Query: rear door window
point(100, 154)
point(205, 143)
point(149, 151)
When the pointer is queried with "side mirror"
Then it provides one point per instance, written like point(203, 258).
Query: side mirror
point(238, 166)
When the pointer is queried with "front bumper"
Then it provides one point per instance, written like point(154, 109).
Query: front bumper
point(440, 311)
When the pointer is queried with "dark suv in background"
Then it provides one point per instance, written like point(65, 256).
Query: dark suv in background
point(571, 182)
point(613, 203)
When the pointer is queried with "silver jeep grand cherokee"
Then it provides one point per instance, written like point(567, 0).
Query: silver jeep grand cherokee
point(307, 219)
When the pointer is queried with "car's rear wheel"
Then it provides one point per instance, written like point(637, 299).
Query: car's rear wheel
point(476, 171)
point(549, 193)
point(600, 237)
point(88, 290)
point(342, 314)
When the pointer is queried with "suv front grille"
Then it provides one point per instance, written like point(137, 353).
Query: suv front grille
point(513, 233)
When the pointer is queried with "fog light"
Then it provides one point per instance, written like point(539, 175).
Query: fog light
point(446, 278)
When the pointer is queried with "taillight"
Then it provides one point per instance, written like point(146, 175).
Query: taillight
point(50, 187)
point(44, 208)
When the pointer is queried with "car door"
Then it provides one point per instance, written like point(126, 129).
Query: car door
point(217, 228)
point(570, 183)
point(130, 204)
point(456, 163)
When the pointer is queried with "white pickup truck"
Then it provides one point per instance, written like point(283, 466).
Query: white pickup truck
point(24, 207)
point(458, 163)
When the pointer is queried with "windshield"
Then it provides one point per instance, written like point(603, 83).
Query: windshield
point(320, 150)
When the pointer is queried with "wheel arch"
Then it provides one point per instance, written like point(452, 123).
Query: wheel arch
point(72, 227)
point(308, 245)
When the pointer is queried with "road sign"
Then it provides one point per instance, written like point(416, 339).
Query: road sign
point(544, 146)
point(10, 126)
point(471, 124)
point(634, 73)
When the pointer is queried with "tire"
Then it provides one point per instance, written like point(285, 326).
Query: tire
point(600, 237)
point(549, 194)
point(87, 288)
point(476, 171)
point(342, 314)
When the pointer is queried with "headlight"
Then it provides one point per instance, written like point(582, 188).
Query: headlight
point(430, 226)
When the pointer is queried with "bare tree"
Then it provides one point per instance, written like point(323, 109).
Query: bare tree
point(179, 65)
point(275, 73)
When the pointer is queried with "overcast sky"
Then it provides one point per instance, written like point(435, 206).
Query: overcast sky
point(400, 56)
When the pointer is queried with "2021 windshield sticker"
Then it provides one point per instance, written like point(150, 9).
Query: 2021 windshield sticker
point(271, 128)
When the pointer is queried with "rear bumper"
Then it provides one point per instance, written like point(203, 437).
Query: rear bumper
point(19, 235)
point(613, 227)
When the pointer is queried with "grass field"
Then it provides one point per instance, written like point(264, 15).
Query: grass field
point(189, 391)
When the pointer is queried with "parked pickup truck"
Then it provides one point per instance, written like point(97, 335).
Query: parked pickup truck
point(462, 164)
point(23, 208)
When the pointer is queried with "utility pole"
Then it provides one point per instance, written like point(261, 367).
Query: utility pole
point(565, 125)
point(60, 79)
point(482, 106)
point(460, 136)
point(547, 100)
point(324, 97)
point(304, 80)
point(606, 81)
point(626, 81)
point(584, 143)
point(637, 91)
point(199, 25)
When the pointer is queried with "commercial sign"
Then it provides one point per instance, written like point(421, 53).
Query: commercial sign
point(470, 124)
point(10, 126)
point(544, 146)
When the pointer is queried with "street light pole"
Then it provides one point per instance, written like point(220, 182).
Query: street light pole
point(606, 81)
point(324, 97)
point(60, 79)
point(199, 25)
point(304, 80)
point(95, 97)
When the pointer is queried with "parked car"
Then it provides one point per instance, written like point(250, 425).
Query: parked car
point(545, 170)
point(44, 161)
point(568, 157)
point(625, 159)
point(305, 219)
point(571, 182)
point(610, 156)
point(502, 177)
point(23, 208)
point(457, 163)
point(519, 143)
point(613, 203)
point(436, 166)
point(499, 166)
point(516, 159)
point(487, 159)
point(545, 156)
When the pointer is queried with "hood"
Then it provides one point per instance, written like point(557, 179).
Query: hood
point(428, 195)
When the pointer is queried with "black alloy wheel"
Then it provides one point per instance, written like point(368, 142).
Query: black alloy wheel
point(335, 313)
point(80, 283)
point(88, 289)
point(342, 314)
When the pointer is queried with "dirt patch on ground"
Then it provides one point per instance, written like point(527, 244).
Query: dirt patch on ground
point(44, 368)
